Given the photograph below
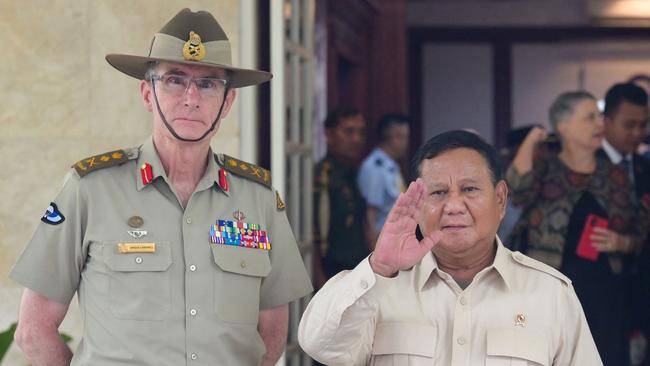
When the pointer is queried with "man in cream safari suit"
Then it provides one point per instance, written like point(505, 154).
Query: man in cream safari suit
point(440, 287)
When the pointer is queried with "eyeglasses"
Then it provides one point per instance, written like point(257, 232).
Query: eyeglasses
point(177, 85)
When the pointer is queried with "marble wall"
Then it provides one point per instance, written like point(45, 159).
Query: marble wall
point(60, 101)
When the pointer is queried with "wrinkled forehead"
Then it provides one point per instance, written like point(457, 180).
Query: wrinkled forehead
point(191, 70)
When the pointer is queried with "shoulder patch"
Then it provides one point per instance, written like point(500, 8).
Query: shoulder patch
point(535, 264)
point(52, 215)
point(247, 170)
point(101, 161)
point(280, 205)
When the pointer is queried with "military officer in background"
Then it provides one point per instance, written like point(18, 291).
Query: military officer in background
point(178, 255)
point(339, 209)
point(380, 178)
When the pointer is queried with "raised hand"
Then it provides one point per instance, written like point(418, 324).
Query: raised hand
point(397, 247)
point(523, 161)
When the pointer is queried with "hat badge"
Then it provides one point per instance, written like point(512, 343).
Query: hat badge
point(193, 49)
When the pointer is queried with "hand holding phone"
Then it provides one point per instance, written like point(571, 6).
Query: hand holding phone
point(585, 247)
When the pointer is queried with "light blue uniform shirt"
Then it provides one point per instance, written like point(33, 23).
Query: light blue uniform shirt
point(380, 182)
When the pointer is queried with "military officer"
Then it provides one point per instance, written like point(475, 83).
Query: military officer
point(339, 208)
point(178, 255)
point(440, 288)
point(380, 179)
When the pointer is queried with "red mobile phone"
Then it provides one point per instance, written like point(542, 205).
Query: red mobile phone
point(585, 248)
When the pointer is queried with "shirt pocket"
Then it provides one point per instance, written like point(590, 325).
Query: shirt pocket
point(237, 284)
point(516, 347)
point(139, 283)
point(403, 344)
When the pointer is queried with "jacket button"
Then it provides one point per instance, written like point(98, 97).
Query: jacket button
point(243, 264)
point(138, 260)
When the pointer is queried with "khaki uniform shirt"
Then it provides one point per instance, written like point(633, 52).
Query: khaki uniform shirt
point(515, 312)
point(190, 302)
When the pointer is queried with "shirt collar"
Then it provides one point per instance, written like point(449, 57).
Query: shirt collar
point(149, 155)
point(614, 155)
point(502, 265)
point(380, 153)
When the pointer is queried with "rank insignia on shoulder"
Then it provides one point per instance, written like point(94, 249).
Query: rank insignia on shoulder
point(238, 233)
point(278, 201)
point(105, 160)
point(247, 170)
point(52, 215)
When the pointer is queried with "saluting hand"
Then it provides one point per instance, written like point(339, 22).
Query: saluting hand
point(397, 247)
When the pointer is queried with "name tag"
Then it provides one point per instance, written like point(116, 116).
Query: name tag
point(136, 247)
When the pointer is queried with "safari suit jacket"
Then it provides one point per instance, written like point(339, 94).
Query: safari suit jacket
point(517, 311)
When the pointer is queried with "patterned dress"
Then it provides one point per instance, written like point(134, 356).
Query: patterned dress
point(556, 203)
point(548, 194)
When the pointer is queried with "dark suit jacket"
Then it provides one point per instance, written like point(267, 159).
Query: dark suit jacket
point(641, 175)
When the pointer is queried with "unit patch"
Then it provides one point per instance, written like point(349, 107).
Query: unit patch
point(52, 215)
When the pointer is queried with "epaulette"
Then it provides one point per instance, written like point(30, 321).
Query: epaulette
point(105, 160)
point(246, 170)
point(535, 264)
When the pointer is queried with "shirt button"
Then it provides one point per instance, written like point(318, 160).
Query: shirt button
point(138, 260)
point(194, 356)
point(188, 220)
point(193, 312)
point(243, 264)
point(364, 285)
point(192, 268)
point(463, 300)
point(461, 341)
point(519, 257)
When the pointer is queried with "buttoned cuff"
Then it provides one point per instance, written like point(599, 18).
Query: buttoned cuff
point(363, 282)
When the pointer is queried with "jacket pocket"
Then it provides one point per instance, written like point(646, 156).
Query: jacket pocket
point(140, 283)
point(397, 343)
point(237, 282)
point(516, 347)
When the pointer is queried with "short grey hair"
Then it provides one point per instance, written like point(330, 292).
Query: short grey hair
point(151, 70)
point(564, 106)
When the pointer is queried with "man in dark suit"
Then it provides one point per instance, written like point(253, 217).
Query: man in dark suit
point(626, 121)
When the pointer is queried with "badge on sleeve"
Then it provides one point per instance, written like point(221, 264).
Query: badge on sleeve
point(52, 215)
point(278, 201)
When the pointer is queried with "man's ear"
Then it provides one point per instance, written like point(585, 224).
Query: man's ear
point(329, 134)
point(147, 95)
point(501, 190)
point(230, 99)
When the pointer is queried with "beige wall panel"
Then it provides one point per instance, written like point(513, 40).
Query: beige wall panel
point(60, 101)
